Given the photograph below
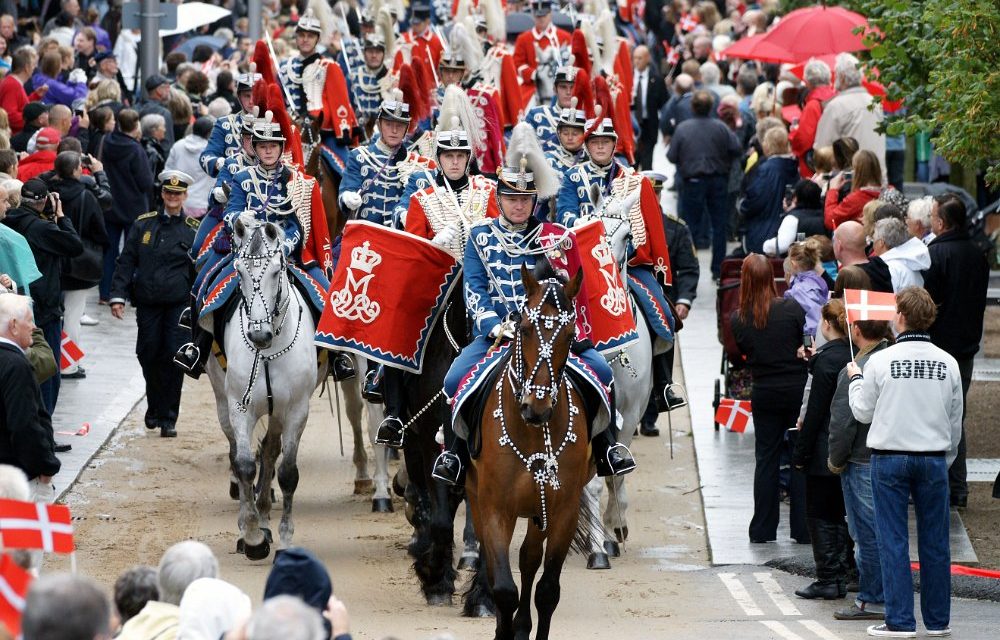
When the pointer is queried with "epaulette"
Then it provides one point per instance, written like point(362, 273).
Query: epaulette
point(484, 222)
point(673, 217)
point(145, 216)
point(194, 223)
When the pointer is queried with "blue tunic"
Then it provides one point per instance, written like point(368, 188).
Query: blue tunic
point(543, 119)
point(574, 199)
point(224, 142)
point(380, 179)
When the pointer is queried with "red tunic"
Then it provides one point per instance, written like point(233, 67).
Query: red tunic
point(524, 54)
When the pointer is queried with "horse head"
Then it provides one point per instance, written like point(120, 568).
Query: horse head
point(261, 266)
point(546, 329)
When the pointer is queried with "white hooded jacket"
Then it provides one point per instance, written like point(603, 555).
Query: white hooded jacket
point(184, 157)
point(906, 262)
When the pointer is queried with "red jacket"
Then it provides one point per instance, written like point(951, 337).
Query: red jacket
point(803, 136)
point(835, 214)
point(37, 163)
point(524, 53)
point(13, 100)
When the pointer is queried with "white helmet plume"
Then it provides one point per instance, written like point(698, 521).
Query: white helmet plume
point(524, 146)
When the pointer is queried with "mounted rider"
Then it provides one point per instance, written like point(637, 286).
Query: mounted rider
point(603, 188)
point(296, 71)
point(541, 49)
point(224, 142)
point(494, 294)
point(369, 76)
point(423, 41)
point(544, 118)
point(571, 124)
point(443, 212)
point(376, 174)
point(270, 191)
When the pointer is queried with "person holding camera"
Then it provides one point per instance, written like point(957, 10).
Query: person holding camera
point(155, 272)
point(81, 274)
point(52, 238)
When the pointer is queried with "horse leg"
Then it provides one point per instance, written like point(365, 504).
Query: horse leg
point(288, 471)
point(478, 598)
point(590, 521)
point(470, 554)
point(548, 591)
point(354, 405)
point(270, 448)
point(615, 516)
point(441, 554)
point(254, 546)
point(382, 500)
point(496, 545)
point(529, 561)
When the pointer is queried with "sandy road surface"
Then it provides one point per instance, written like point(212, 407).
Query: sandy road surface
point(142, 493)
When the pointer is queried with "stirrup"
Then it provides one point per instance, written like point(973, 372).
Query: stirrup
point(188, 358)
point(389, 434)
point(342, 367)
point(617, 461)
point(184, 320)
point(674, 400)
point(447, 468)
point(372, 388)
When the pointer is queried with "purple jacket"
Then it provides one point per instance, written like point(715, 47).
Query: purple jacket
point(59, 92)
point(810, 291)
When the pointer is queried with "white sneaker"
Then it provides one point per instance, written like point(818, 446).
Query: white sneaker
point(87, 321)
point(939, 633)
point(883, 631)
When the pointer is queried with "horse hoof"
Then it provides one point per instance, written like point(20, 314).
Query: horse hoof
point(612, 549)
point(239, 545)
point(361, 487)
point(382, 505)
point(468, 562)
point(257, 551)
point(234, 491)
point(621, 534)
point(598, 561)
point(482, 611)
point(267, 535)
point(439, 600)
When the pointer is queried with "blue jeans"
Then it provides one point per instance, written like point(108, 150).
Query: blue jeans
point(856, 481)
point(894, 479)
point(115, 234)
point(703, 204)
point(50, 388)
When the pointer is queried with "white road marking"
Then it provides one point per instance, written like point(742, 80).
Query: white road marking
point(819, 629)
point(781, 629)
point(778, 597)
point(740, 594)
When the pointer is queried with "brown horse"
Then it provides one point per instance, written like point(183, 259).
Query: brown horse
point(535, 459)
point(329, 186)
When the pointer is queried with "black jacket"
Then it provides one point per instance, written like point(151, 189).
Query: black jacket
point(656, 97)
point(50, 242)
point(849, 438)
point(25, 427)
point(771, 352)
point(19, 141)
point(812, 445)
point(154, 267)
point(81, 207)
point(810, 222)
point(702, 147)
point(97, 184)
point(131, 180)
point(683, 261)
point(878, 273)
point(957, 280)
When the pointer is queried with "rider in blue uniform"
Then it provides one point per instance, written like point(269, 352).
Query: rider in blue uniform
point(224, 142)
point(494, 293)
point(366, 74)
point(570, 126)
point(544, 118)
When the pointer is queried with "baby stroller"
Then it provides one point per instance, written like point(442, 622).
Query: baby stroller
point(736, 381)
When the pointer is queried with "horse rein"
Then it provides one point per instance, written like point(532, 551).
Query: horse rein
point(522, 383)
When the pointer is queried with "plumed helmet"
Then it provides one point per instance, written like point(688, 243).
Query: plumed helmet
point(266, 129)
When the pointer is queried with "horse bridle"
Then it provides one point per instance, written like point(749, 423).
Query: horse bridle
point(519, 381)
point(281, 301)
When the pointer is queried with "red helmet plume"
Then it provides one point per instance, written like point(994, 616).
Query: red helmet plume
point(293, 142)
point(265, 66)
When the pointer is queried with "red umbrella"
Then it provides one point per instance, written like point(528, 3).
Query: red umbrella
point(873, 86)
point(817, 31)
point(755, 48)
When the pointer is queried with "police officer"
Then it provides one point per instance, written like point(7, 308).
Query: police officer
point(155, 272)
point(683, 290)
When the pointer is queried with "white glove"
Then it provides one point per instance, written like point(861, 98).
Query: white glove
point(77, 75)
point(219, 195)
point(506, 328)
point(219, 162)
point(581, 220)
point(351, 199)
point(446, 236)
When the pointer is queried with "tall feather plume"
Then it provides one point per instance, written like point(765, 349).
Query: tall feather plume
point(456, 104)
point(579, 50)
point(265, 65)
point(602, 97)
point(327, 21)
point(583, 91)
point(524, 144)
point(396, 6)
point(496, 21)
point(423, 75)
point(464, 43)
point(463, 10)
point(259, 95)
point(412, 95)
point(385, 26)
point(598, 113)
point(293, 142)
point(605, 27)
point(590, 7)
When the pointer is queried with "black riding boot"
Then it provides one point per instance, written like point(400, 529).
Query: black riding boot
point(390, 432)
point(450, 465)
point(191, 357)
point(612, 458)
point(341, 366)
point(827, 554)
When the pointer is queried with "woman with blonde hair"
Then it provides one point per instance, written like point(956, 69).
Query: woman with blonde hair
point(866, 185)
point(106, 93)
point(762, 205)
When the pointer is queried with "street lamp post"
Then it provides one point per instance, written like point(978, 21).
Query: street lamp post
point(150, 44)
point(254, 11)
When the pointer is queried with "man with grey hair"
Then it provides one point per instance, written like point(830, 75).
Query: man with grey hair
point(906, 256)
point(288, 618)
point(851, 114)
point(918, 219)
point(154, 132)
point(678, 108)
point(711, 79)
point(803, 133)
point(65, 607)
point(180, 565)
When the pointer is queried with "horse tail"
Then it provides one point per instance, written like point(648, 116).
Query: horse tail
point(589, 527)
point(478, 597)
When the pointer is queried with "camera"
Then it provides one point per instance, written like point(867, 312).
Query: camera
point(807, 341)
point(49, 210)
point(85, 161)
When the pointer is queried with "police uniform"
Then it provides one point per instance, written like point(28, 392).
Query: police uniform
point(155, 273)
point(225, 139)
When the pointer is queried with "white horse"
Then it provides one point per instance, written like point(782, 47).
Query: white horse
point(633, 374)
point(549, 61)
point(271, 373)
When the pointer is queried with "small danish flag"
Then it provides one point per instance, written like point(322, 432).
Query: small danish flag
point(14, 583)
point(70, 353)
point(734, 414)
point(687, 23)
point(673, 56)
point(31, 525)
point(862, 304)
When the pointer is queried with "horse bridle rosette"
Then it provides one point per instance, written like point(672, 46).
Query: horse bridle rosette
point(521, 383)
